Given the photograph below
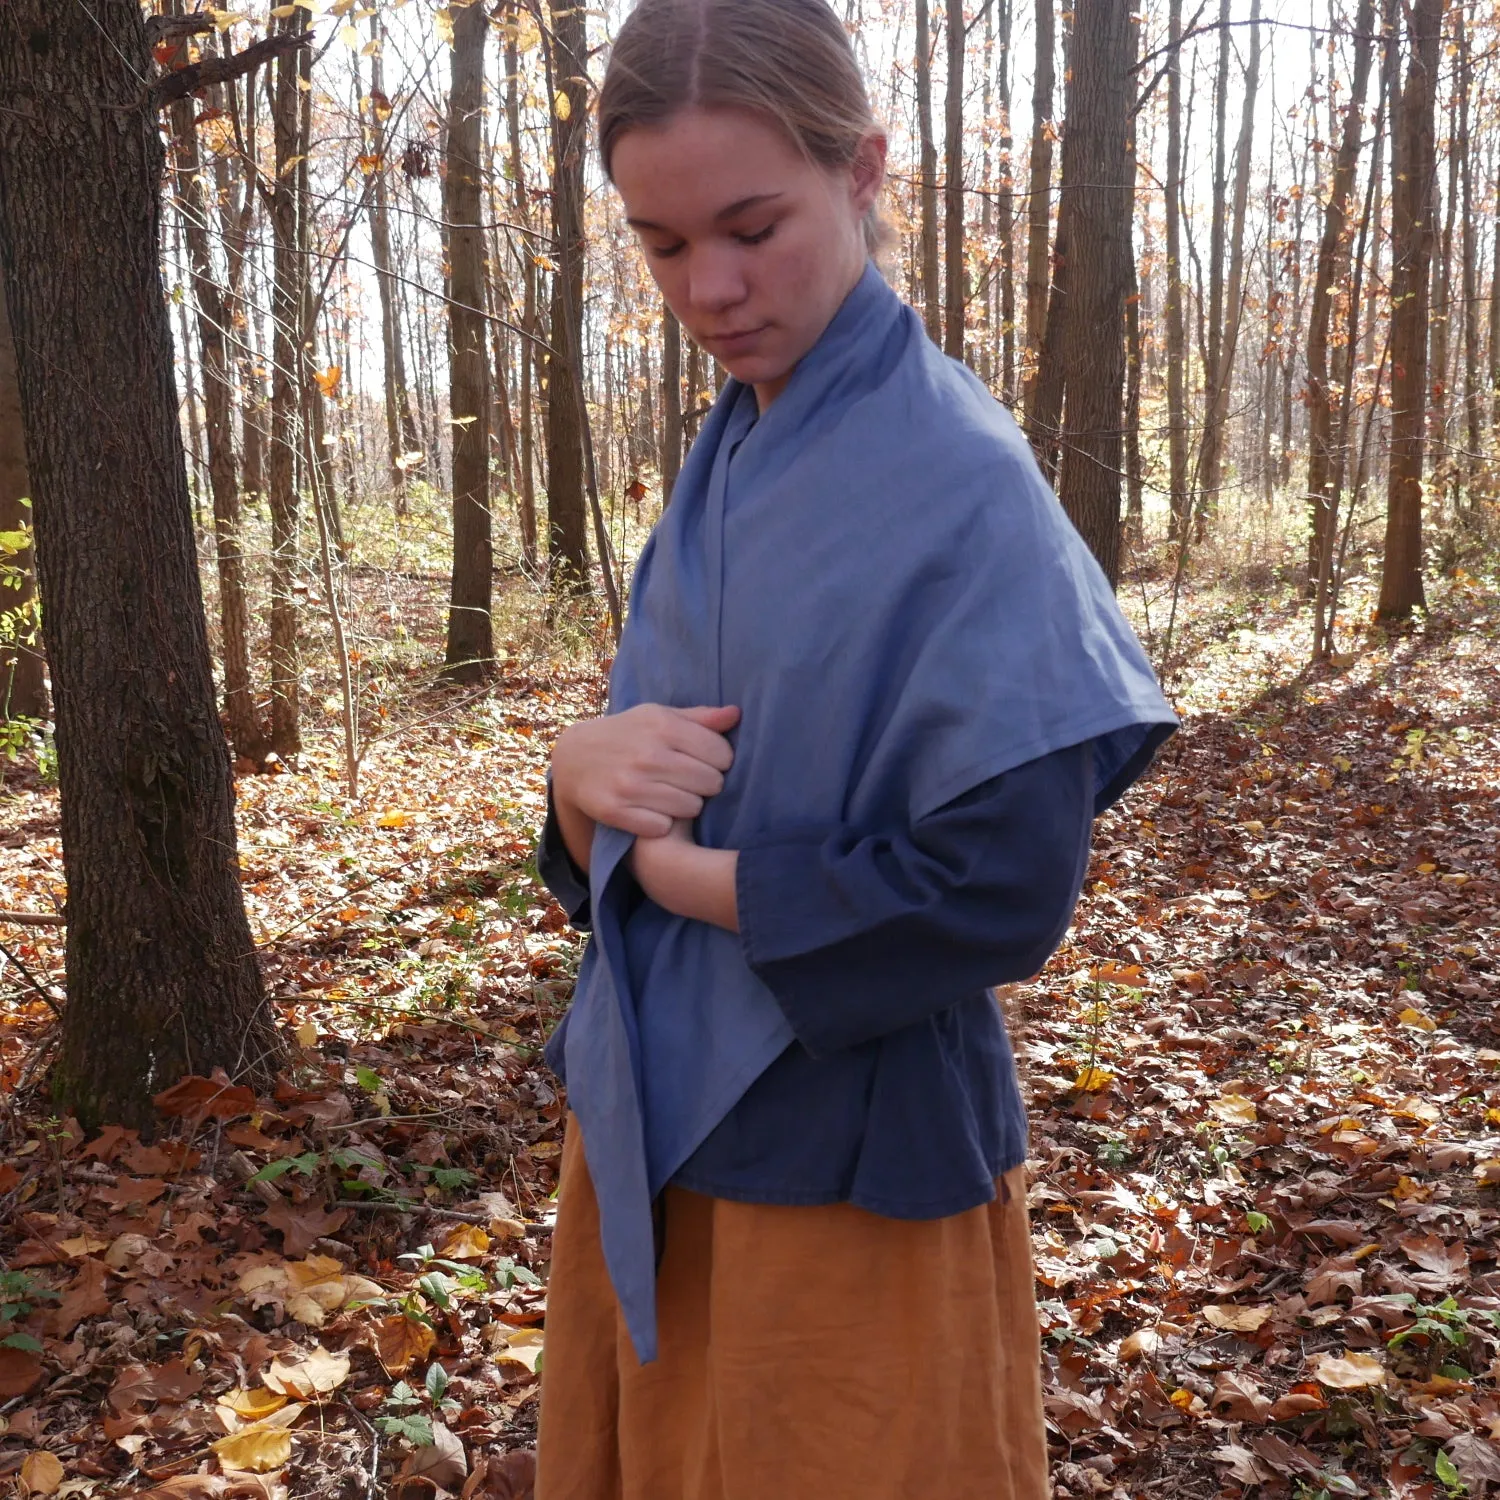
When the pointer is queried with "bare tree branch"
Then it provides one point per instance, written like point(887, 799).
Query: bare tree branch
point(211, 70)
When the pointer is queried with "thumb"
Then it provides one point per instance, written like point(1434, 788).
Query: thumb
point(720, 720)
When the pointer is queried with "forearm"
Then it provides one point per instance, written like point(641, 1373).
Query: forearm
point(576, 827)
point(688, 880)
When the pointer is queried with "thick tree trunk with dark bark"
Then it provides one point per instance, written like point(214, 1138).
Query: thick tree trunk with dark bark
point(23, 692)
point(567, 513)
point(161, 970)
point(471, 648)
point(1096, 190)
point(1413, 166)
point(245, 733)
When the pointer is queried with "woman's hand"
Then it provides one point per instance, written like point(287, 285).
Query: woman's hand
point(639, 770)
point(686, 879)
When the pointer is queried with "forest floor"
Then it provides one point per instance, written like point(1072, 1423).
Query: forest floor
point(1264, 1071)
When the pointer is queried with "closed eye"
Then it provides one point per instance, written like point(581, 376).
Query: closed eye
point(759, 237)
point(663, 252)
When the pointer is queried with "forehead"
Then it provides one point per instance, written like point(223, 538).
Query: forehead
point(701, 161)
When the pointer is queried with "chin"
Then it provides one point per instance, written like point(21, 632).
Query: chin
point(759, 369)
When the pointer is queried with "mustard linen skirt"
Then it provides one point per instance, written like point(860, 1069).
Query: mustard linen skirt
point(820, 1353)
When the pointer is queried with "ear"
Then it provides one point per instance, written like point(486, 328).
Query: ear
point(868, 170)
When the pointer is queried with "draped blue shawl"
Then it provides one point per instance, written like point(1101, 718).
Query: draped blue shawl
point(875, 571)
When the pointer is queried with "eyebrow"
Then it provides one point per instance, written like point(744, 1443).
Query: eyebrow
point(755, 200)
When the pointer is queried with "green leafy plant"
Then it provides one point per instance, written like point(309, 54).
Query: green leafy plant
point(19, 1293)
point(407, 1413)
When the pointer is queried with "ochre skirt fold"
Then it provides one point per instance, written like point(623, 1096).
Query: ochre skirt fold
point(805, 1354)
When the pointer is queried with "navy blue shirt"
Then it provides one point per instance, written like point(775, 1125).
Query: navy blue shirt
point(899, 1092)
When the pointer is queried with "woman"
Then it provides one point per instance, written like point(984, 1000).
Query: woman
point(871, 694)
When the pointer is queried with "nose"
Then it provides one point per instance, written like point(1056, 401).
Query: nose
point(716, 280)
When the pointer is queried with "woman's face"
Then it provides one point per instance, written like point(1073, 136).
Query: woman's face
point(753, 246)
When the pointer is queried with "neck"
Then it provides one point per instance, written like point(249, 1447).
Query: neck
point(767, 391)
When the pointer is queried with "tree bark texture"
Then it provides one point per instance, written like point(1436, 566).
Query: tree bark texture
point(1413, 169)
point(288, 270)
point(526, 352)
point(400, 426)
point(1098, 174)
point(195, 208)
point(956, 288)
point(471, 649)
point(1040, 183)
point(1007, 216)
point(567, 513)
point(1208, 451)
point(22, 668)
point(161, 971)
point(932, 308)
point(1333, 259)
point(1211, 453)
point(1177, 351)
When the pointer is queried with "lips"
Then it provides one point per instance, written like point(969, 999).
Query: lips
point(732, 343)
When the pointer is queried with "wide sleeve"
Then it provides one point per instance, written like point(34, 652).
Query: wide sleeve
point(858, 934)
point(560, 873)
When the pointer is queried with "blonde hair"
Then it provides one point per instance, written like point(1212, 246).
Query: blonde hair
point(788, 61)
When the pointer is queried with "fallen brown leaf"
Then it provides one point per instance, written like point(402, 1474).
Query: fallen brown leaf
point(1352, 1372)
point(84, 1298)
point(442, 1461)
point(307, 1373)
point(41, 1473)
point(400, 1342)
point(302, 1223)
point(20, 1369)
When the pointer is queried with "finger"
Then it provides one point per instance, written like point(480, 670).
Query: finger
point(702, 744)
point(663, 797)
point(644, 822)
point(690, 774)
point(720, 719)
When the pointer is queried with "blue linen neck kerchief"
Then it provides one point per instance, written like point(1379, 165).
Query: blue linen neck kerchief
point(875, 571)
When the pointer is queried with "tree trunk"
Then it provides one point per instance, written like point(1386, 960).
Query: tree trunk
point(1413, 168)
point(288, 270)
point(956, 286)
point(1040, 185)
point(1470, 270)
point(238, 199)
point(162, 978)
point(1333, 252)
point(400, 425)
point(932, 312)
point(671, 403)
point(1097, 200)
point(471, 648)
point(1007, 216)
point(23, 693)
point(1177, 352)
point(1208, 448)
point(567, 514)
point(1440, 315)
point(1211, 453)
point(525, 353)
point(245, 734)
